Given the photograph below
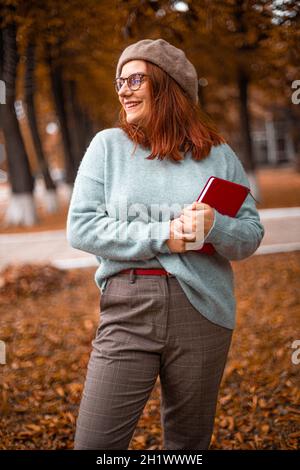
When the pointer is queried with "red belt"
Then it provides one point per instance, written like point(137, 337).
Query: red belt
point(155, 272)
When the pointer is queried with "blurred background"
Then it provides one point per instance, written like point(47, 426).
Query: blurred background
point(58, 62)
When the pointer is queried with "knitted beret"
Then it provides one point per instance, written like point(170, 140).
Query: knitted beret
point(169, 58)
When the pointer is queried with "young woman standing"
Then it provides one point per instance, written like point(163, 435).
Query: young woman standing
point(167, 309)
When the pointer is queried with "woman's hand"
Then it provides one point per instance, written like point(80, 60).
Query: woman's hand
point(197, 220)
point(177, 240)
point(192, 226)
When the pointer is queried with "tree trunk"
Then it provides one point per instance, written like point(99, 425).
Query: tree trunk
point(50, 197)
point(56, 77)
point(293, 119)
point(245, 126)
point(31, 115)
point(74, 125)
point(245, 129)
point(80, 125)
point(90, 128)
point(243, 81)
point(20, 176)
point(87, 126)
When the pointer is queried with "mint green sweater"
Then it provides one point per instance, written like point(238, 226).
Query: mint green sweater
point(111, 216)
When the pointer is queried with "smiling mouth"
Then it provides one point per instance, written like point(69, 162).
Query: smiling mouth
point(132, 106)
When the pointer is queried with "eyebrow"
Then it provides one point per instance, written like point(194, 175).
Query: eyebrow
point(133, 73)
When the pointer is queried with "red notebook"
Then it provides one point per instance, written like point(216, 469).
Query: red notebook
point(224, 196)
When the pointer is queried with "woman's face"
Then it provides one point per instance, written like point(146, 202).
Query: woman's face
point(137, 113)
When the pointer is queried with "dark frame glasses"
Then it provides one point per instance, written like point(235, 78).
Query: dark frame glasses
point(134, 81)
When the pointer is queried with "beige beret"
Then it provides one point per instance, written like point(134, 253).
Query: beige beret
point(169, 58)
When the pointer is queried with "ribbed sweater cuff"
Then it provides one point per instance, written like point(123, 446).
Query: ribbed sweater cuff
point(162, 232)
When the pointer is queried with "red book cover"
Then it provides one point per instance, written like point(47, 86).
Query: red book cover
point(224, 196)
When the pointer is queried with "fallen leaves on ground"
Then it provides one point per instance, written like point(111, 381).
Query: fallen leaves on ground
point(30, 280)
point(48, 318)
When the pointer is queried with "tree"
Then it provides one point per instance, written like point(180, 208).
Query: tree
point(21, 208)
point(29, 86)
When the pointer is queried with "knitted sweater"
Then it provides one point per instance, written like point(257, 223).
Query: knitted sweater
point(111, 216)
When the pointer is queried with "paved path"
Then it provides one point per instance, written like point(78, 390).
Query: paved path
point(282, 234)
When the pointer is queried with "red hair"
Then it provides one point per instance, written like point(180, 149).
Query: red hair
point(174, 124)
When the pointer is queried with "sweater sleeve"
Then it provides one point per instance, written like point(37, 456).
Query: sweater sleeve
point(90, 228)
point(236, 238)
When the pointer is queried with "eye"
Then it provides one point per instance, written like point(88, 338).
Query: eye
point(135, 80)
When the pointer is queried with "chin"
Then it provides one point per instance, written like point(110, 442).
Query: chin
point(132, 119)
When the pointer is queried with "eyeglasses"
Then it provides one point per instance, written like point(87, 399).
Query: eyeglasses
point(134, 81)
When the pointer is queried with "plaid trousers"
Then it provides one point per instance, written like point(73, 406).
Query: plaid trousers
point(148, 328)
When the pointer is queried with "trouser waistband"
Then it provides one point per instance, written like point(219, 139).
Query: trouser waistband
point(139, 271)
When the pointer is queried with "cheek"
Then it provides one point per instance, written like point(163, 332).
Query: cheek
point(147, 104)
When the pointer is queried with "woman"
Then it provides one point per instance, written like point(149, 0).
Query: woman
point(167, 308)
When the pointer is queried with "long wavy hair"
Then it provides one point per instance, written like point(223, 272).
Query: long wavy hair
point(175, 124)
